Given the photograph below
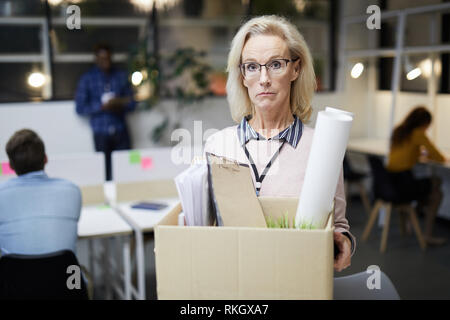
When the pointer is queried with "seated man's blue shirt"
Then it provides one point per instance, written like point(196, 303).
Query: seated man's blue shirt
point(38, 214)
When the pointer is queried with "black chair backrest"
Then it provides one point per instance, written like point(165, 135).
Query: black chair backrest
point(346, 168)
point(382, 185)
point(350, 174)
point(41, 277)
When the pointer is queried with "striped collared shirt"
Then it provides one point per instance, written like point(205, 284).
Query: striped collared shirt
point(291, 134)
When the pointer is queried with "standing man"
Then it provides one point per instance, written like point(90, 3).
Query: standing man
point(105, 95)
point(38, 214)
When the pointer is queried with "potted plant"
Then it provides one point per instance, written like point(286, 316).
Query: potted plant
point(186, 79)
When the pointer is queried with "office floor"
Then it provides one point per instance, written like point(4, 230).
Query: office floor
point(415, 274)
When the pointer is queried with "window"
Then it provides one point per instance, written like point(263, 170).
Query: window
point(19, 59)
point(47, 47)
point(421, 30)
point(445, 57)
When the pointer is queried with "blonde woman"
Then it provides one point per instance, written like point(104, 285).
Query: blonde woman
point(270, 86)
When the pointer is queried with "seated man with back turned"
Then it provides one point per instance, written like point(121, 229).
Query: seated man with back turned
point(38, 214)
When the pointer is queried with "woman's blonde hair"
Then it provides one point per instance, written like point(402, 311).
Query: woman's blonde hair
point(302, 89)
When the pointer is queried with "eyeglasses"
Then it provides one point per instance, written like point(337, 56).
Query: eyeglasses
point(275, 67)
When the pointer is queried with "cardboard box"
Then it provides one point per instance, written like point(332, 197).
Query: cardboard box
point(242, 262)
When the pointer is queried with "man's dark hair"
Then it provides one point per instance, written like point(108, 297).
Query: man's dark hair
point(26, 152)
point(102, 46)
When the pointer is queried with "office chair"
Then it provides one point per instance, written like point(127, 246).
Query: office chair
point(40, 277)
point(352, 177)
point(385, 196)
point(355, 287)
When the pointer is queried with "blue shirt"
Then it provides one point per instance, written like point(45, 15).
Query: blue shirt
point(38, 214)
point(91, 87)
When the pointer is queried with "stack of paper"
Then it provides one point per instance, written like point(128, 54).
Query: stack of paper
point(192, 186)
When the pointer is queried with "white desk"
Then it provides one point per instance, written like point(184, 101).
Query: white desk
point(101, 221)
point(144, 221)
point(379, 147)
point(141, 175)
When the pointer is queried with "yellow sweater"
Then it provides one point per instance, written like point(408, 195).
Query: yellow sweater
point(405, 156)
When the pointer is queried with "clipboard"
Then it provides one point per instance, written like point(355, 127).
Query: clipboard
point(233, 198)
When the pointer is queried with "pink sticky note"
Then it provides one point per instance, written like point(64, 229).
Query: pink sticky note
point(146, 163)
point(6, 169)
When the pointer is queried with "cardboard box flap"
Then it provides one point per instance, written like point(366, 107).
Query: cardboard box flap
point(275, 208)
point(271, 206)
point(93, 194)
point(278, 207)
point(146, 190)
point(171, 219)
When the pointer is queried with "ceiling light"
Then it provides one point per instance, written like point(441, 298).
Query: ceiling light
point(36, 80)
point(357, 70)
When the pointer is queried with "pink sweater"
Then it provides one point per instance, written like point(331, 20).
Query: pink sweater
point(286, 175)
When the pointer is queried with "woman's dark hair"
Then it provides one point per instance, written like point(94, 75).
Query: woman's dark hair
point(417, 118)
point(26, 152)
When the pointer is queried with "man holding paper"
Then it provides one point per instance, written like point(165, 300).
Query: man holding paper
point(104, 94)
point(270, 86)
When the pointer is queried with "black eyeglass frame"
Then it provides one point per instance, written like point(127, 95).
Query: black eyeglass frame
point(265, 65)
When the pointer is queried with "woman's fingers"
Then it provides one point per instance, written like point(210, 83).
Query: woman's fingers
point(343, 259)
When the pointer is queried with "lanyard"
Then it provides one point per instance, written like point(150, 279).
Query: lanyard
point(259, 179)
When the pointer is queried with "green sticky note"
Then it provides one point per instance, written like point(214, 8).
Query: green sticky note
point(104, 206)
point(135, 157)
point(0, 170)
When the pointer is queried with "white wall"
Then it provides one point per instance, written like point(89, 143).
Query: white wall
point(441, 120)
point(406, 101)
point(56, 122)
point(63, 131)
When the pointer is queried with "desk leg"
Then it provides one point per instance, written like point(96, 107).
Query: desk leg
point(106, 269)
point(91, 260)
point(127, 268)
point(140, 263)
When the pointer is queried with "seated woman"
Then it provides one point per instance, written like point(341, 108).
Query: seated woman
point(408, 143)
point(270, 86)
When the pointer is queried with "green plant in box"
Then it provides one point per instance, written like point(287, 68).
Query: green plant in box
point(283, 223)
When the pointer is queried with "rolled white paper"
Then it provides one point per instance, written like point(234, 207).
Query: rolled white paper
point(324, 166)
point(330, 109)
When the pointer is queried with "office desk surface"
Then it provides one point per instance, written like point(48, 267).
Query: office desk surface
point(144, 219)
point(380, 147)
point(373, 146)
point(101, 221)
